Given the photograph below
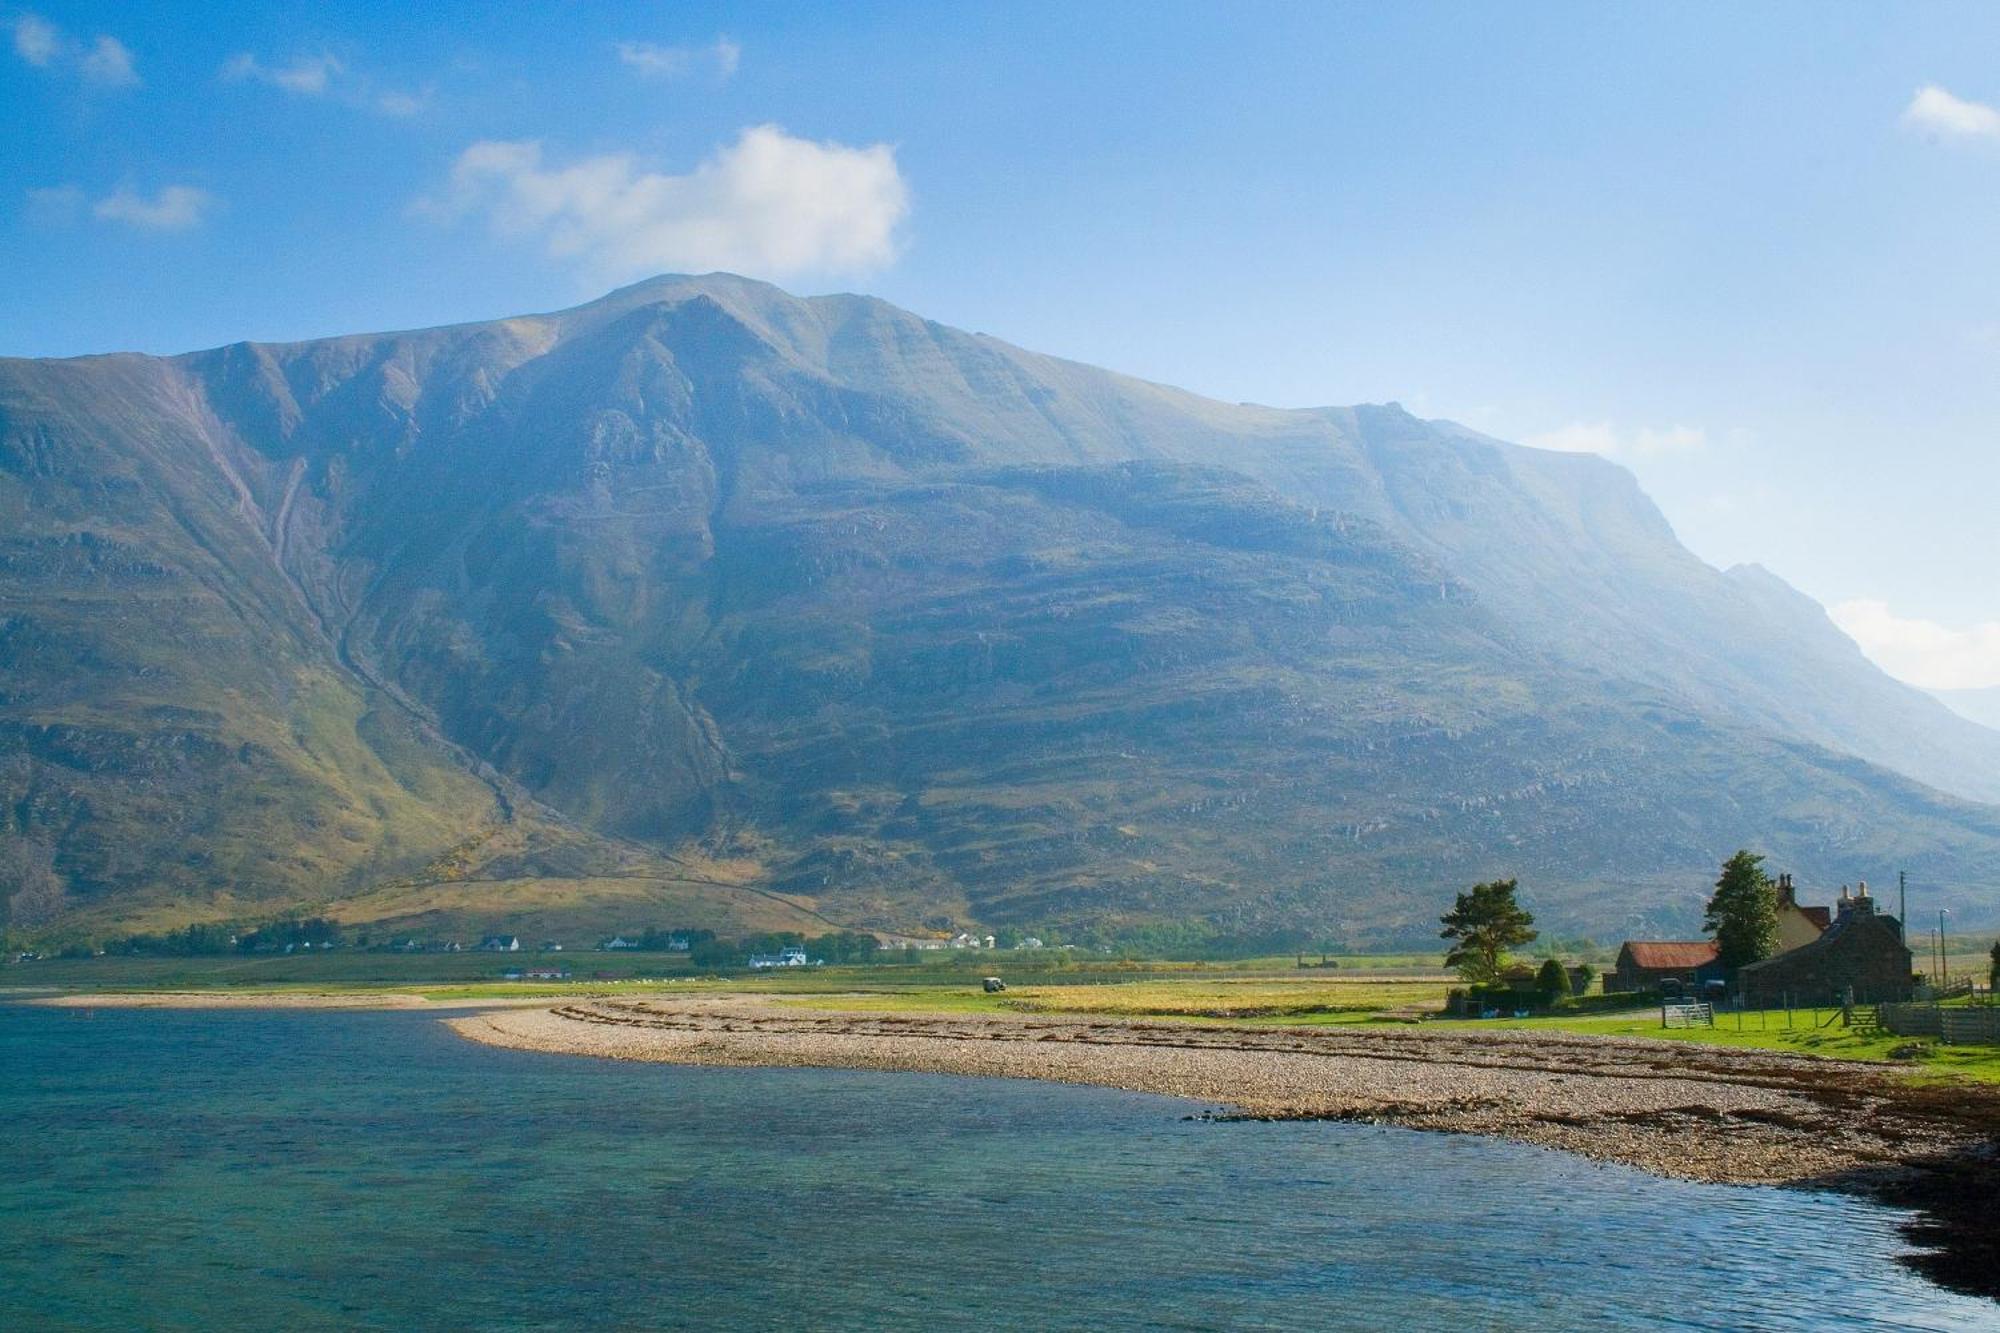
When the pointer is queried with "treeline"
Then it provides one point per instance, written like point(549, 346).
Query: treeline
point(705, 949)
point(208, 940)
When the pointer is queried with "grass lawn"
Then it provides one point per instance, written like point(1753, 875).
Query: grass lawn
point(1287, 1000)
point(1810, 1033)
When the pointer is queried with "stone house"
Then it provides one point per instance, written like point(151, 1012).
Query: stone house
point(1860, 955)
point(1798, 926)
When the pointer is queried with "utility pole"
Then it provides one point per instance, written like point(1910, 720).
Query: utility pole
point(1944, 959)
point(1903, 905)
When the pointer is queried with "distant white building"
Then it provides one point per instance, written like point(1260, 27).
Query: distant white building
point(789, 956)
point(500, 944)
point(619, 942)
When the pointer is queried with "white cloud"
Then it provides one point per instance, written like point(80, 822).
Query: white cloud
point(399, 104)
point(1935, 111)
point(105, 63)
point(324, 75)
point(36, 40)
point(108, 63)
point(174, 208)
point(1923, 652)
point(1606, 439)
point(308, 76)
point(768, 204)
point(728, 57)
point(672, 62)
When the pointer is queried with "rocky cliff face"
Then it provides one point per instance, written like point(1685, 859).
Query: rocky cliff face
point(907, 625)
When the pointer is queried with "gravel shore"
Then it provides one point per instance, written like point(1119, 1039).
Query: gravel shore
point(1694, 1112)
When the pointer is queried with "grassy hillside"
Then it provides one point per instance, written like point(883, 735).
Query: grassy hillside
point(535, 623)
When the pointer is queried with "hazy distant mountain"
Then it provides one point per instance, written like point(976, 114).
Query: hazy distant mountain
point(705, 600)
point(1979, 705)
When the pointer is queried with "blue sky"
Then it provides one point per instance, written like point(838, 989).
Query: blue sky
point(1741, 249)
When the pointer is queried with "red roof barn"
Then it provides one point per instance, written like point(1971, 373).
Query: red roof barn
point(1643, 964)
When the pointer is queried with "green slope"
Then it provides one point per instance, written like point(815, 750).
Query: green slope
point(909, 625)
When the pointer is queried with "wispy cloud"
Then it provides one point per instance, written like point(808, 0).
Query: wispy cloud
point(720, 57)
point(324, 75)
point(1936, 112)
point(307, 76)
point(769, 204)
point(172, 208)
point(1610, 441)
point(102, 62)
point(36, 40)
point(108, 64)
point(1923, 652)
point(399, 103)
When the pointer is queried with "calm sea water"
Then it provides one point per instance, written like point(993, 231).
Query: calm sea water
point(329, 1170)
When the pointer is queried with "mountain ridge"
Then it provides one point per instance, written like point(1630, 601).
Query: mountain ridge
point(838, 597)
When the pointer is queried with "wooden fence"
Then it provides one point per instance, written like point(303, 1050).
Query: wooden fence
point(1976, 1025)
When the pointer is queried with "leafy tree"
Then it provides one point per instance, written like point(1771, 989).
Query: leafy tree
point(1553, 982)
point(1484, 924)
point(1993, 967)
point(1743, 914)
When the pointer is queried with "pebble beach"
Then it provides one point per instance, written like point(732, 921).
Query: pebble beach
point(1674, 1109)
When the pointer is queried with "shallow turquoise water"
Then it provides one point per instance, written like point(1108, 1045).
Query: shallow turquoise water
point(321, 1170)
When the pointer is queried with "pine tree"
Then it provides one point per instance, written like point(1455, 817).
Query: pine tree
point(1552, 982)
point(1743, 914)
point(1485, 923)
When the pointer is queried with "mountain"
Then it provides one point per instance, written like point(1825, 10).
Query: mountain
point(708, 603)
point(1975, 705)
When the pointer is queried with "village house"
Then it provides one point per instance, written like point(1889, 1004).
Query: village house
point(1861, 956)
point(790, 956)
point(500, 944)
point(1798, 926)
point(1649, 965)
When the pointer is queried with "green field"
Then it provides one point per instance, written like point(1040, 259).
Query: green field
point(1247, 999)
point(1400, 989)
point(1808, 1032)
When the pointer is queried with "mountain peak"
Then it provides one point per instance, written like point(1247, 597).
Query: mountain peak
point(911, 625)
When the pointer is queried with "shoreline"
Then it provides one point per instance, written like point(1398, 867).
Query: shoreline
point(1724, 1115)
point(1714, 1114)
